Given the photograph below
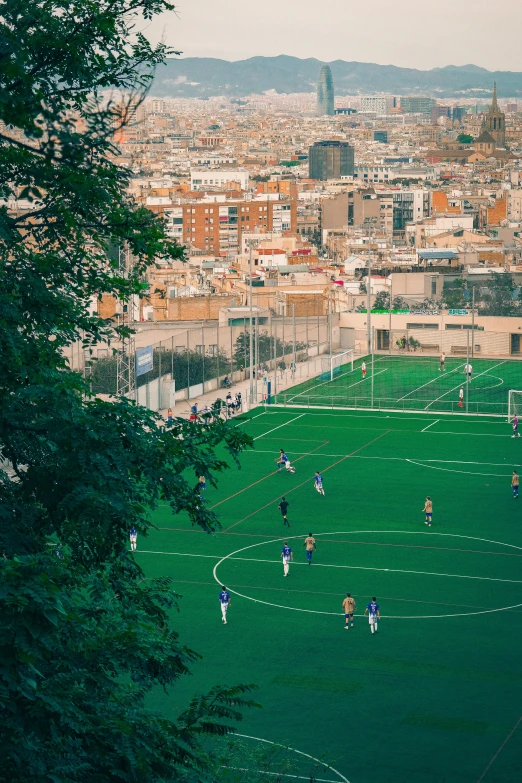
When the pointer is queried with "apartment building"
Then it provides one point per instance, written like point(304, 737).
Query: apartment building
point(216, 226)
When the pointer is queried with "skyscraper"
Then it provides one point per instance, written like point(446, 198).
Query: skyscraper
point(330, 160)
point(325, 92)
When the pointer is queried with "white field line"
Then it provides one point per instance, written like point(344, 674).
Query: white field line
point(331, 565)
point(399, 459)
point(280, 775)
point(463, 384)
point(304, 393)
point(430, 425)
point(323, 764)
point(252, 419)
point(341, 375)
point(353, 532)
point(452, 470)
point(451, 417)
point(437, 378)
point(279, 427)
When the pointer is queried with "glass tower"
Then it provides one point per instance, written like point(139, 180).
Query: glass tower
point(325, 92)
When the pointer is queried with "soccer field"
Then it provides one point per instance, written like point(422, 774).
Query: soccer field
point(413, 383)
point(435, 695)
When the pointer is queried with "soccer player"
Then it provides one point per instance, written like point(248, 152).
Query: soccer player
point(468, 369)
point(516, 433)
point(514, 483)
point(461, 397)
point(428, 510)
point(363, 368)
point(374, 614)
point(133, 535)
point(286, 555)
point(349, 607)
point(310, 545)
point(202, 485)
point(224, 600)
point(283, 460)
point(442, 365)
point(318, 482)
point(283, 508)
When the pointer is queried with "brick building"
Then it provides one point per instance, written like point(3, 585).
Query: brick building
point(216, 226)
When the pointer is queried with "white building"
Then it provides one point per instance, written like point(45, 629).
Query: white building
point(380, 104)
point(202, 179)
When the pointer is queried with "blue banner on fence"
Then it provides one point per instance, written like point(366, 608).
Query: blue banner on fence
point(144, 360)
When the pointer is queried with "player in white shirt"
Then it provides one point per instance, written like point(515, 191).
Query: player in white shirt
point(224, 600)
point(374, 614)
point(286, 556)
point(442, 361)
point(363, 369)
point(133, 536)
point(468, 369)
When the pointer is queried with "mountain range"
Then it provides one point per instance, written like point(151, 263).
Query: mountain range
point(205, 77)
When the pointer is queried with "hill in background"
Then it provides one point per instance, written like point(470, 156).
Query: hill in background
point(204, 77)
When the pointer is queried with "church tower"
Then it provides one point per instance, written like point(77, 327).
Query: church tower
point(495, 121)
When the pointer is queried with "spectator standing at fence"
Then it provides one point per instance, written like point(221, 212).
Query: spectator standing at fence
point(239, 401)
point(292, 369)
point(282, 368)
point(169, 416)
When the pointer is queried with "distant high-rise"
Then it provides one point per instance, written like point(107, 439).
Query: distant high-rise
point(330, 160)
point(325, 92)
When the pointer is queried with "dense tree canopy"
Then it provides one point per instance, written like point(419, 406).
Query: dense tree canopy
point(83, 636)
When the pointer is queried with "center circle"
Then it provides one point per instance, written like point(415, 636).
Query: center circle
point(360, 532)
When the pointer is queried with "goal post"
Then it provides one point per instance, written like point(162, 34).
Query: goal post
point(332, 365)
point(514, 404)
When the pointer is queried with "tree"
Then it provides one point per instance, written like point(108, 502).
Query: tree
point(83, 637)
point(500, 297)
point(453, 296)
point(382, 301)
point(465, 138)
point(268, 347)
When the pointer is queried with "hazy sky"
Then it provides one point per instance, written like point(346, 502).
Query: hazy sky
point(399, 32)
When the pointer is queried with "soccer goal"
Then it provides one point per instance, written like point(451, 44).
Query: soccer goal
point(514, 404)
point(331, 365)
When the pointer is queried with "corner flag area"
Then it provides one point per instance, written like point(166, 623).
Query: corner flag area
point(434, 695)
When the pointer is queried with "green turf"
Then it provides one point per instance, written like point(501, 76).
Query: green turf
point(433, 696)
point(413, 383)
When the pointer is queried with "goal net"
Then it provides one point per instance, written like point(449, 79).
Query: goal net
point(332, 365)
point(514, 404)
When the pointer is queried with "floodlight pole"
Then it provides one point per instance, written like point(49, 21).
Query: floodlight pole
point(472, 321)
point(251, 245)
point(373, 361)
point(467, 370)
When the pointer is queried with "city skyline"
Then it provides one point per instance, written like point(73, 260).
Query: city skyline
point(393, 34)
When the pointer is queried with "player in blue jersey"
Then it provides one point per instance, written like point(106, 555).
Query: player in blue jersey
point(133, 536)
point(374, 614)
point(283, 462)
point(318, 482)
point(224, 600)
point(286, 556)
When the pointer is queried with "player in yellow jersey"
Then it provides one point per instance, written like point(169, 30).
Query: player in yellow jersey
point(428, 510)
point(310, 545)
point(349, 607)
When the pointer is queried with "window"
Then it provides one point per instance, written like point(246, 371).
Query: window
point(200, 349)
point(422, 326)
point(464, 326)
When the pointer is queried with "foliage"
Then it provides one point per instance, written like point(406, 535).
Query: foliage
point(465, 138)
point(187, 368)
point(382, 301)
point(84, 638)
point(269, 347)
point(497, 297)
